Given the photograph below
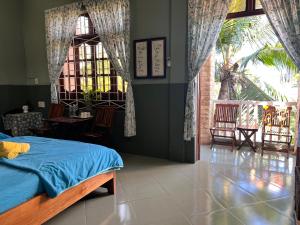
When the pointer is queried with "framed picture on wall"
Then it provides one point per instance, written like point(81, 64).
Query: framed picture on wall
point(158, 57)
point(141, 59)
point(150, 58)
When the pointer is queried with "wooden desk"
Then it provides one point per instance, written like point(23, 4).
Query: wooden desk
point(69, 127)
point(248, 132)
point(68, 120)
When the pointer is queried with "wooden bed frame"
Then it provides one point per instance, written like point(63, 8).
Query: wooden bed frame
point(42, 208)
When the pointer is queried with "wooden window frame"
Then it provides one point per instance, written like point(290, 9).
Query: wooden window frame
point(113, 96)
point(250, 11)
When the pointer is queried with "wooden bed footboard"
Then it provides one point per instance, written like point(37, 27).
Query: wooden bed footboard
point(42, 208)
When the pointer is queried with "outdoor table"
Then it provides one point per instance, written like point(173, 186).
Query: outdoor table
point(248, 132)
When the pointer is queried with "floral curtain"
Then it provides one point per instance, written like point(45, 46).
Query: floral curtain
point(284, 16)
point(111, 19)
point(205, 20)
point(60, 28)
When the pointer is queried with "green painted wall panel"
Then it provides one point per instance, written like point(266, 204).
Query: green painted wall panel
point(159, 103)
point(12, 59)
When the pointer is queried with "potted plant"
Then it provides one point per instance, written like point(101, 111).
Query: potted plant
point(89, 96)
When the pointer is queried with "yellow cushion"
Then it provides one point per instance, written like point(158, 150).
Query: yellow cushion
point(9, 155)
point(7, 147)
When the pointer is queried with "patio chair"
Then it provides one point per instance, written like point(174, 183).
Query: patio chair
point(224, 124)
point(276, 134)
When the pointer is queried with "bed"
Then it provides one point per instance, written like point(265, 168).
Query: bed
point(53, 175)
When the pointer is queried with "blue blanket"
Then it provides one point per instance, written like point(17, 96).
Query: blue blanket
point(63, 164)
point(17, 186)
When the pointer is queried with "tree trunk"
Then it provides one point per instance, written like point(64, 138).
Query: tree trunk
point(224, 91)
point(227, 90)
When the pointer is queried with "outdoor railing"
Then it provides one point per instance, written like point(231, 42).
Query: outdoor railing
point(250, 112)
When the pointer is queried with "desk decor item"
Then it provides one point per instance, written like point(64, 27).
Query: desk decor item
point(150, 58)
point(85, 115)
point(25, 108)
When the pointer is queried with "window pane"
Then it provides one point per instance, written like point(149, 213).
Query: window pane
point(90, 83)
point(99, 53)
point(99, 67)
point(71, 68)
point(82, 68)
point(66, 69)
point(88, 51)
point(71, 53)
point(81, 52)
point(126, 85)
point(82, 26)
point(103, 83)
point(237, 6)
point(83, 84)
point(66, 84)
point(103, 67)
point(104, 53)
point(72, 84)
point(89, 68)
point(69, 84)
point(85, 52)
point(106, 67)
point(120, 83)
point(258, 4)
point(86, 84)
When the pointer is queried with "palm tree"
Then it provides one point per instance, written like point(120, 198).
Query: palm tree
point(264, 48)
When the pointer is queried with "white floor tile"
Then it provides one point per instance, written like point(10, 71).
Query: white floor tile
point(224, 188)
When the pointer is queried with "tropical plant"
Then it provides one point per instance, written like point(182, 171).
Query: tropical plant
point(257, 34)
point(88, 97)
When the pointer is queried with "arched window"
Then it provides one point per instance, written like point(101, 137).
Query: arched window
point(88, 70)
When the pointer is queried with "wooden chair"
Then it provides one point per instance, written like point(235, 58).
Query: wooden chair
point(101, 128)
point(224, 125)
point(276, 134)
point(55, 110)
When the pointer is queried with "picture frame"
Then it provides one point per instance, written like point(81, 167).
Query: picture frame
point(141, 59)
point(150, 58)
point(158, 57)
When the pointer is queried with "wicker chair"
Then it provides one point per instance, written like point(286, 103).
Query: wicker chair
point(224, 125)
point(276, 130)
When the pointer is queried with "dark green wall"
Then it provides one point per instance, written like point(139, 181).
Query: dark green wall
point(159, 103)
point(34, 38)
point(12, 59)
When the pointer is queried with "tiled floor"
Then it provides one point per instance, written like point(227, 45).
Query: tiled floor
point(224, 188)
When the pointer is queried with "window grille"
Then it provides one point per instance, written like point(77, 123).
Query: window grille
point(88, 75)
